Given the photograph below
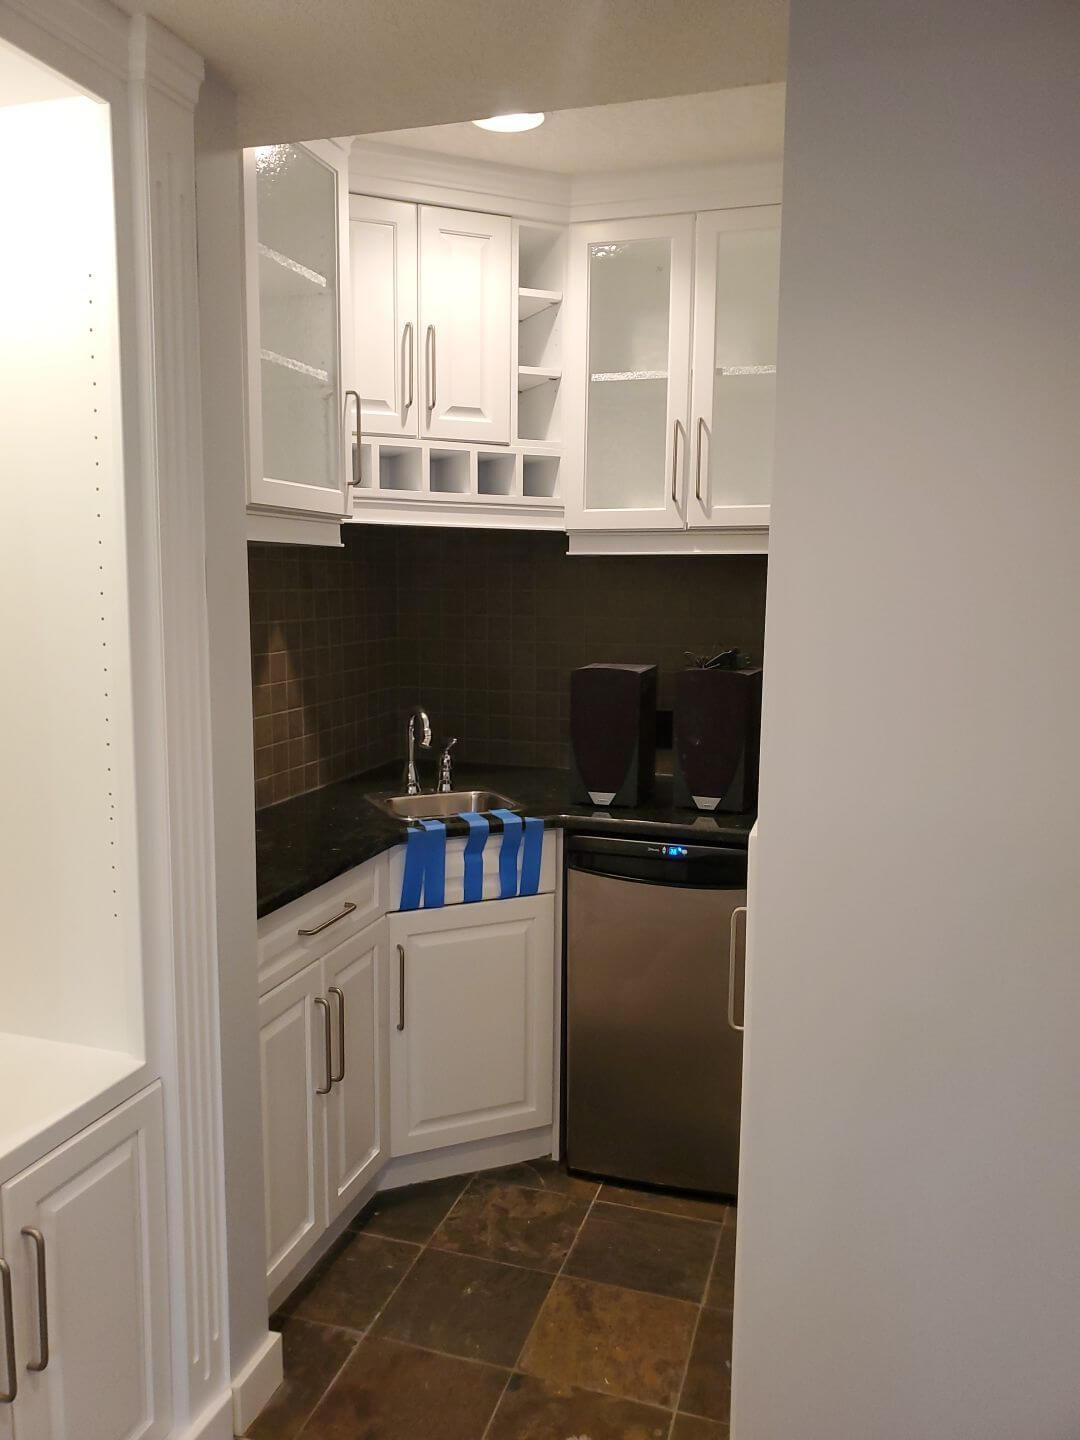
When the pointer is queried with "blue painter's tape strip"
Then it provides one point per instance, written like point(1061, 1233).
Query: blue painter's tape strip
point(508, 855)
point(435, 864)
point(479, 830)
point(412, 882)
point(531, 855)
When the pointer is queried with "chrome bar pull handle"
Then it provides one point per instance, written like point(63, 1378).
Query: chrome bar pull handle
point(8, 1395)
point(38, 1241)
point(432, 371)
point(409, 334)
point(357, 478)
point(401, 987)
point(346, 909)
point(329, 1085)
point(697, 467)
point(733, 943)
point(335, 990)
point(675, 463)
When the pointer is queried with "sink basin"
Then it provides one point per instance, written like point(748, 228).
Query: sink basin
point(439, 807)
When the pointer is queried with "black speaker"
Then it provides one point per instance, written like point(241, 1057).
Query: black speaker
point(612, 734)
point(717, 732)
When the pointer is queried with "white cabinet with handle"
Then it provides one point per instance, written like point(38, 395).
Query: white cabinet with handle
point(631, 301)
point(465, 323)
point(431, 317)
point(383, 248)
point(470, 983)
point(323, 1061)
point(297, 260)
point(85, 1317)
point(736, 295)
point(672, 325)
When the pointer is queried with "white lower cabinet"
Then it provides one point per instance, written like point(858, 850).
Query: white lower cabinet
point(472, 1022)
point(91, 1346)
point(322, 1060)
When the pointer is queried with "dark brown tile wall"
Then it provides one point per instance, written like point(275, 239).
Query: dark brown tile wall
point(481, 627)
point(323, 662)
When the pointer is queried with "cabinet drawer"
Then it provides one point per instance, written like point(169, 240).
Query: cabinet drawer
point(455, 869)
point(282, 950)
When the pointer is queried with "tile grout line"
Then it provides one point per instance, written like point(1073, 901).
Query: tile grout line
point(693, 1336)
point(362, 1335)
point(536, 1319)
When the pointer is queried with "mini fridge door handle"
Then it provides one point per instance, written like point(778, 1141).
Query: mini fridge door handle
point(733, 955)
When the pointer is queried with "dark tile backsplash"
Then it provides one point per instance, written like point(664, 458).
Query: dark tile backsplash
point(480, 627)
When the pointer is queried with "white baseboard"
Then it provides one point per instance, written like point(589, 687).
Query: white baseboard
point(474, 1155)
point(215, 1422)
point(256, 1382)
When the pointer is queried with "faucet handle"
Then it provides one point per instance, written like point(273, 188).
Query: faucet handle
point(446, 768)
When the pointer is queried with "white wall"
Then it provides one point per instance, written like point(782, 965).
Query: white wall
point(909, 1214)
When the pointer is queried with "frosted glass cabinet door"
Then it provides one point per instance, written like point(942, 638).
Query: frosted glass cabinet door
point(633, 278)
point(736, 292)
point(297, 253)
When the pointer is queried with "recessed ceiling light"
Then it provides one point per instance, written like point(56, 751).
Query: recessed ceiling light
point(508, 124)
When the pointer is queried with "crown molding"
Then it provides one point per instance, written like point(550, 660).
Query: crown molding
point(159, 59)
point(397, 172)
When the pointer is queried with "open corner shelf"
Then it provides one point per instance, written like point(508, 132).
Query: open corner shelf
point(529, 376)
point(531, 301)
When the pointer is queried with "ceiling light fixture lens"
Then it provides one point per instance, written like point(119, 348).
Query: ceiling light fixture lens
point(511, 124)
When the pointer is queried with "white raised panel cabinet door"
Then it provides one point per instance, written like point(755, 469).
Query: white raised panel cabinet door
point(382, 246)
point(297, 267)
point(471, 1021)
point(293, 1064)
point(357, 1106)
point(465, 269)
point(736, 295)
point(97, 1205)
point(628, 374)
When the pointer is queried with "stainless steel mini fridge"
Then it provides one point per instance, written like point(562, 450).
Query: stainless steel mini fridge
point(654, 943)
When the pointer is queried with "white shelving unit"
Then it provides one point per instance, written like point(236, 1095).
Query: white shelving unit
point(539, 274)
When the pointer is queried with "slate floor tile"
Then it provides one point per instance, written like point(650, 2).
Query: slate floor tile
point(620, 1342)
point(390, 1391)
point(643, 1250)
point(720, 1294)
point(352, 1284)
point(693, 1427)
point(479, 1309)
point(542, 1175)
point(534, 1228)
point(692, 1207)
point(534, 1409)
point(313, 1355)
point(707, 1388)
point(412, 1213)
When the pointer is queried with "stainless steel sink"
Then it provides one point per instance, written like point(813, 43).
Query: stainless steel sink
point(439, 807)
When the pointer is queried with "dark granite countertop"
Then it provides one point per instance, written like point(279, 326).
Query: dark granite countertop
point(304, 842)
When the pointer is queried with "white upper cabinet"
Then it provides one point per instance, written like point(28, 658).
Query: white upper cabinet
point(383, 253)
point(297, 241)
point(464, 328)
point(736, 290)
point(630, 289)
point(672, 327)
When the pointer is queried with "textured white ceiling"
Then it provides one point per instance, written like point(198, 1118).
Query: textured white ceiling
point(305, 69)
point(722, 126)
